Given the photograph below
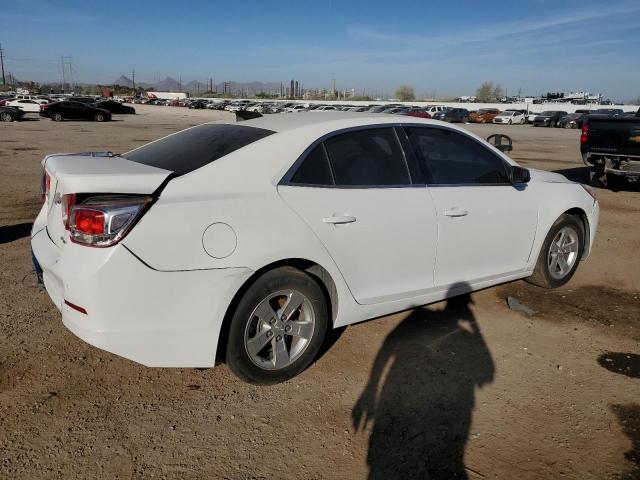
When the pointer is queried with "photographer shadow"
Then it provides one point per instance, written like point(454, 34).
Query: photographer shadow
point(421, 394)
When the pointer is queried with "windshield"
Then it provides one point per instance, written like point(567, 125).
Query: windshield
point(195, 147)
point(548, 112)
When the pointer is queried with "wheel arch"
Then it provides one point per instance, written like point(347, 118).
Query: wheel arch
point(586, 228)
point(313, 269)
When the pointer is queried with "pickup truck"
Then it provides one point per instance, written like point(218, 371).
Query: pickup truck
point(611, 146)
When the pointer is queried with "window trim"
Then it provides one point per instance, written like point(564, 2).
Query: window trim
point(288, 177)
point(506, 164)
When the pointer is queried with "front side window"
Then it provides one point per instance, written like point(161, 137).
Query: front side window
point(451, 158)
point(367, 158)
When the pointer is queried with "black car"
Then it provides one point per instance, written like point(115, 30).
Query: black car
point(115, 107)
point(572, 120)
point(10, 114)
point(87, 100)
point(67, 110)
point(453, 115)
point(549, 118)
point(198, 105)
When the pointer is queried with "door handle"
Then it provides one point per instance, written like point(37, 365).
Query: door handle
point(338, 219)
point(456, 212)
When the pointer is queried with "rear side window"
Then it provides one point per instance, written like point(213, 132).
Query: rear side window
point(315, 169)
point(196, 147)
point(451, 158)
point(367, 158)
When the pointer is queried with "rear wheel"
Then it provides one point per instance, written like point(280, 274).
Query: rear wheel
point(552, 124)
point(278, 327)
point(56, 117)
point(560, 253)
point(5, 117)
point(99, 117)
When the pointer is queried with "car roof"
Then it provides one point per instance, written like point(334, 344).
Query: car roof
point(281, 122)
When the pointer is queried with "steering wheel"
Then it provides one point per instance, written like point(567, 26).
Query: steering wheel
point(501, 142)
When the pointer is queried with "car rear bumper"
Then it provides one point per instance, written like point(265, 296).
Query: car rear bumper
point(158, 319)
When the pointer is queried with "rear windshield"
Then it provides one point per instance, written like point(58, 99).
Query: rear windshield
point(196, 147)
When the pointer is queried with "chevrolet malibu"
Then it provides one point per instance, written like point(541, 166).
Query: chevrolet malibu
point(246, 242)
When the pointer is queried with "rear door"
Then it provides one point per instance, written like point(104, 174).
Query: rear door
point(486, 225)
point(355, 191)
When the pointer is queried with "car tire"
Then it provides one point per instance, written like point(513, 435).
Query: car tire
point(257, 342)
point(598, 178)
point(99, 117)
point(6, 117)
point(552, 124)
point(522, 122)
point(560, 253)
point(56, 117)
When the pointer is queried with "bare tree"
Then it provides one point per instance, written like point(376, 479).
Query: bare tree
point(488, 92)
point(405, 93)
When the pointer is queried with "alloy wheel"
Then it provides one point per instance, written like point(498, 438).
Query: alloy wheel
point(563, 252)
point(279, 329)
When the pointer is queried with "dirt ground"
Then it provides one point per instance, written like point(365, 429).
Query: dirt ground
point(461, 389)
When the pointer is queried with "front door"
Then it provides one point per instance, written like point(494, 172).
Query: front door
point(486, 225)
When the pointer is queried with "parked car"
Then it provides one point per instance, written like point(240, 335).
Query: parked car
point(419, 112)
point(549, 118)
point(296, 108)
point(87, 100)
point(610, 144)
point(396, 110)
point(484, 115)
point(10, 114)
point(531, 117)
point(69, 110)
point(433, 109)
point(27, 106)
point(572, 120)
point(452, 115)
point(138, 271)
point(510, 117)
point(608, 111)
point(198, 105)
point(116, 107)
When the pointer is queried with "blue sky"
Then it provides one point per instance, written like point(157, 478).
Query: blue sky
point(444, 47)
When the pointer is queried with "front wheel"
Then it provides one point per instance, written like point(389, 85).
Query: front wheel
point(560, 253)
point(278, 327)
point(99, 117)
point(510, 122)
point(552, 124)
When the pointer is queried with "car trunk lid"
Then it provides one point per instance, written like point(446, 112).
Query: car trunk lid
point(93, 172)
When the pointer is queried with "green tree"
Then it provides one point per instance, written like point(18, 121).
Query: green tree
point(488, 92)
point(405, 93)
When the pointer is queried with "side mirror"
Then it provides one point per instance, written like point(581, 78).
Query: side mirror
point(520, 175)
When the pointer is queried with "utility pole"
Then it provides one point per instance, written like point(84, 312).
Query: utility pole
point(4, 81)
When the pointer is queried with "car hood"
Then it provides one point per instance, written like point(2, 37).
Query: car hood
point(548, 177)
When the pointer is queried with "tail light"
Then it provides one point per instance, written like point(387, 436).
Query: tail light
point(68, 201)
point(104, 221)
point(45, 186)
point(585, 133)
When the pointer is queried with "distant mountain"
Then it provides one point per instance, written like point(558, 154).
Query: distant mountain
point(168, 85)
point(123, 81)
point(195, 86)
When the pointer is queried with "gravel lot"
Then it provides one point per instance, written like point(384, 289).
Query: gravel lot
point(451, 389)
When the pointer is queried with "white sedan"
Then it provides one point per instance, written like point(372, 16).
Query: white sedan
point(248, 241)
point(27, 106)
point(510, 117)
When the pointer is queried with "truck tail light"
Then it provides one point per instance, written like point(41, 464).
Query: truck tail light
point(585, 133)
point(105, 220)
